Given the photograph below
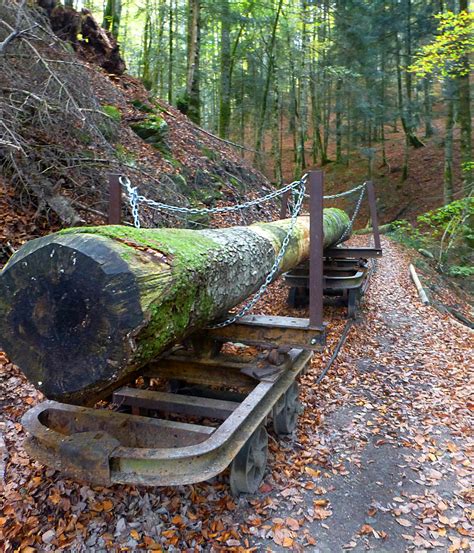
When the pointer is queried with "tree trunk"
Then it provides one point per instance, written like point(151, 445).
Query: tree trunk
point(449, 94)
point(146, 52)
point(339, 120)
point(84, 308)
point(192, 100)
point(112, 14)
point(266, 89)
point(276, 136)
point(225, 76)
point(170, 53)
point(428, 108)
point(464, 114)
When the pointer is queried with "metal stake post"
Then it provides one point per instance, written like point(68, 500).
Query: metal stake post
point(316, 282)
point(115, 200)
point(284, 204)
point(373, 213)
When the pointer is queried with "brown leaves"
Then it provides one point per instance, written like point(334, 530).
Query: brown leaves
point(413, 385)
point(403, 522)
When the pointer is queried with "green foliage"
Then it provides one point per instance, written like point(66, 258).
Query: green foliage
point(405, 233)
point(448, 53)
point(112, 112)
point(142, 106)
point(461, 271)
point(125, 156)
point(154, 130)
point(447, 218)
point(447, 233)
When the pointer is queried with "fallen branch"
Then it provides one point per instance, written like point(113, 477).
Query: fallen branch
point(421, 291)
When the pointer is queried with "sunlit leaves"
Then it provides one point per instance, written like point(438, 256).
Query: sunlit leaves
point(447, 54)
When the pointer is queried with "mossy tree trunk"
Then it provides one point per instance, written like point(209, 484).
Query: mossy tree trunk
point(86, 307)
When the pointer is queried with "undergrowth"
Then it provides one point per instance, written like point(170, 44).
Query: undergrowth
point(445, 234)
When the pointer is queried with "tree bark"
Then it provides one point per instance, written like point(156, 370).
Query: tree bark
point(465, 120)
point(225, 77)
point(85, 308)
point(112, 16)
point(449, 95)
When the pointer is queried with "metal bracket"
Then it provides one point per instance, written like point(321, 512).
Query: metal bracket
point(273, 332)
point(86, 455)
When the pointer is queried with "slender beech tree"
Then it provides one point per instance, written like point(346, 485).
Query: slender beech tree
point(192, 97)
point(465, 118)
point(270, 55)
point(112, 15)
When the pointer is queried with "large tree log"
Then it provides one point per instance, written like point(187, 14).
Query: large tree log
point(83, 308)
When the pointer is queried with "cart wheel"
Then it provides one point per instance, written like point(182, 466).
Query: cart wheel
point(248, 467)
point(285, 411)
point(352, 303)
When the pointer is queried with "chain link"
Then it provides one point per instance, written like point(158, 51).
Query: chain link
point(276, 265)
point(297, 189)
point(348, 230)
point(135, 200)
point(346, 192)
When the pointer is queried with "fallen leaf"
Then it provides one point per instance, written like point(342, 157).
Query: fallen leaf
point(312, 472)
point(403, 522)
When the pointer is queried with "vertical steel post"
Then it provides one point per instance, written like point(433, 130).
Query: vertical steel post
point(284, 204)
point(115, 200)
point(315, 185)
point(373, 213)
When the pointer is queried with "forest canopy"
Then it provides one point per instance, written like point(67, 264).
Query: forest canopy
point(330, 73)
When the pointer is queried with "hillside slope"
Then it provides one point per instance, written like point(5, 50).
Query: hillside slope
point(68, 123)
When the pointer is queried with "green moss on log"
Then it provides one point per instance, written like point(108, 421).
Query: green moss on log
point(86, 307)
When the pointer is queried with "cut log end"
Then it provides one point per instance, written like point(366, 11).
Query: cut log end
point(82, 310)
point(63, 312)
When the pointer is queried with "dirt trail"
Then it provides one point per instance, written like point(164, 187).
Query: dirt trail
point(380, 460)
point(394, 451)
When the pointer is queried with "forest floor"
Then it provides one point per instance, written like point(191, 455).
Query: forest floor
point(380, 461)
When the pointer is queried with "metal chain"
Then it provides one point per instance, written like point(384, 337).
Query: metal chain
point(346, 193)
point(346, 233)
point(298, 192)
point(135, 200)
point(274, 270)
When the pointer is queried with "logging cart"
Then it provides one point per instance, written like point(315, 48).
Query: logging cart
point(150, 379)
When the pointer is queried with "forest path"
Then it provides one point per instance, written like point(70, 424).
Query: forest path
point(390, 459)
point(380, 460)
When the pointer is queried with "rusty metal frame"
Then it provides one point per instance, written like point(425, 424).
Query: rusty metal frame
point(316, 279)
point(106, 447)
point(267, 331)
point(115, 200)
point(102, 452)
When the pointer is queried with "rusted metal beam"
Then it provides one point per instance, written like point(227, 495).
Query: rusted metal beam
point(284, 204)
point(316, 185)
point(208, 372)
point(353, 253)
point(175, 403)
point(115, 200)
point(373, 213)
point(273, 332)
